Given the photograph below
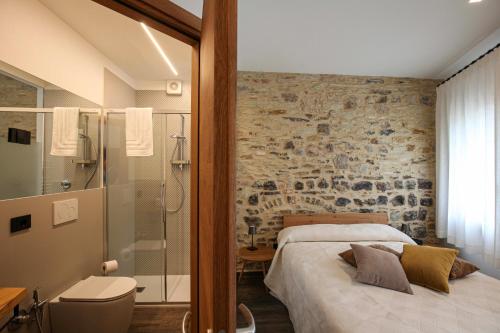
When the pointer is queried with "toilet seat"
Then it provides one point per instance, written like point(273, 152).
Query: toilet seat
point(98, 289)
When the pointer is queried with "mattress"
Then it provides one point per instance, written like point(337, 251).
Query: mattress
point(320, 292)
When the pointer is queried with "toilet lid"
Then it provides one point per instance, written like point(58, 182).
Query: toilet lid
point(99, 289)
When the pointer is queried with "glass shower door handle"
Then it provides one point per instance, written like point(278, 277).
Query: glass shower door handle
point(162, 203)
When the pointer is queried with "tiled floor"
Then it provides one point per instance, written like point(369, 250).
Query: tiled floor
point(158, 319)
point(271, 316)
point(178, 288)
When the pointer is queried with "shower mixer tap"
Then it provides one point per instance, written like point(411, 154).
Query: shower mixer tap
point(180, 162)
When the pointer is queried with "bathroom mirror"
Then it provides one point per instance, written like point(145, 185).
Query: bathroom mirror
point(27, 167)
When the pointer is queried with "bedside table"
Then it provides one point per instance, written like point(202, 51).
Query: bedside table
point(262, 255)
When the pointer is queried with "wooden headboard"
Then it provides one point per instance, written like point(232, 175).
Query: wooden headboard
point(335, 218)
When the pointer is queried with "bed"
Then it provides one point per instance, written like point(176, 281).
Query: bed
point(318, 288)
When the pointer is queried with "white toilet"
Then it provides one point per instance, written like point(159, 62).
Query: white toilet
point(96, 304)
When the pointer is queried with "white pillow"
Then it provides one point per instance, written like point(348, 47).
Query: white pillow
point(342, 233)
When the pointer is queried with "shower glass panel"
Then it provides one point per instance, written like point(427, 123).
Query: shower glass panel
point(28, 168)
point(148, 208)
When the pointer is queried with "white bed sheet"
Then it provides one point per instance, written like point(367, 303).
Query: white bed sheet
point(318, 288)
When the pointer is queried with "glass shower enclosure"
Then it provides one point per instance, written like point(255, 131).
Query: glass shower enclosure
point(147, 200)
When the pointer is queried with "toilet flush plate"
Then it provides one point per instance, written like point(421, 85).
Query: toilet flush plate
point(65, 211)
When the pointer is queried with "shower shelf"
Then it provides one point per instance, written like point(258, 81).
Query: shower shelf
point(180, 162)
point(85, 162)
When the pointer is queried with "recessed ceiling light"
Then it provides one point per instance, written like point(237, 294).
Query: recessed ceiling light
point(159, 49)
point(475, 1)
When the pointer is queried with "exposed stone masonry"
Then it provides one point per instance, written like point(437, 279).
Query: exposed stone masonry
point(332, 143)
point(14, 93)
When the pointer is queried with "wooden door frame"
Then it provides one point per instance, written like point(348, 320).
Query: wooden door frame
point(217, 145)
point(213, 114)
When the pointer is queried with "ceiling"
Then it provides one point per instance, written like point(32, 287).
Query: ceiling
point(404, 38)
point(123, 41)
point(193, 6)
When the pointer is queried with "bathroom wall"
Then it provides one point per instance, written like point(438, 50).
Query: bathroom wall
point(28, 27)
point(63, 98)
point(334, 143)
point(158, 99)
point(14, 93)
point(51, 258)
point(117, 93)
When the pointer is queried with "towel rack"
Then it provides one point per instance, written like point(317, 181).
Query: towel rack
point(46, 110)
point(155, 111)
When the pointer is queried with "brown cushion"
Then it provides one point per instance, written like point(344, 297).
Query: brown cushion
point(348, 255)
point(380, 268)
point(461, 268)
point(428, 266)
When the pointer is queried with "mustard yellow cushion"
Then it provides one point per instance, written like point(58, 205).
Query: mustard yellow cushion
point(428, 266)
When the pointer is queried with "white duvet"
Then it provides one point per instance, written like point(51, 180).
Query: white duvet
point(318, 288)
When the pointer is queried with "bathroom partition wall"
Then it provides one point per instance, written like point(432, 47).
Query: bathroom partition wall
point(148, 208)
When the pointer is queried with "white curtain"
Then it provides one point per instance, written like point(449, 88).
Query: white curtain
point(468, 159)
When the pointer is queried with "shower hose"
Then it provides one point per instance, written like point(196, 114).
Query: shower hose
point(181, 204)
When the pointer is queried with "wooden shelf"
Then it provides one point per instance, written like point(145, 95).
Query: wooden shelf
point(9, 299)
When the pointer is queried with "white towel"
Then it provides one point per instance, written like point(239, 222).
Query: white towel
point(65, 131)
point(139, 131)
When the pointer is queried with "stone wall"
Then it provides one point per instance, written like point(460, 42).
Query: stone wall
point(332, 143)
point(14, 93)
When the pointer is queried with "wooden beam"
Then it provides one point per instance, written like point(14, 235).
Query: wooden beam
point(162, 15)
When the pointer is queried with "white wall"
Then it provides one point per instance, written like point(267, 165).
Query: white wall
point(35, 40)
point(159, 100)
point(117, 93)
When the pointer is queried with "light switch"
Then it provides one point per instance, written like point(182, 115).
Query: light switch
point(65, 211)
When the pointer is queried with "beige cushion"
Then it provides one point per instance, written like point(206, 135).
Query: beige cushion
point(380, 268)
